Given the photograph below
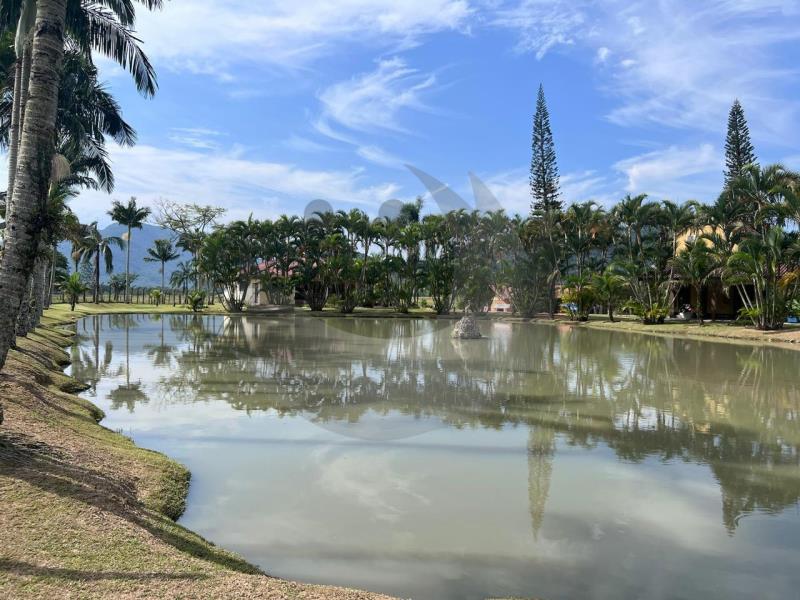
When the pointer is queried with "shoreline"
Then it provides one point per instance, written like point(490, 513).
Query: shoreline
point(88, 513)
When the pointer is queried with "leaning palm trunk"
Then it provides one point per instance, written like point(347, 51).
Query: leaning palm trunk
point(36, 147)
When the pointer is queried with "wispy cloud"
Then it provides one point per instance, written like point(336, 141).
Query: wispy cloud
point(679, 173)
point(208, 36)
point(678, 63)
point(228, 179)
point(195, 137)
point(373, 103)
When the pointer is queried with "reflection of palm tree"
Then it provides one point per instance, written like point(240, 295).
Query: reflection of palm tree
point(129, 394)
point(541, 450)
point(162, 353)
point(639, 396)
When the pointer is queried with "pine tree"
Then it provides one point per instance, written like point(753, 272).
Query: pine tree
point(738, 149)
point(544, 170)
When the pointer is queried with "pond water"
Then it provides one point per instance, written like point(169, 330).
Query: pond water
point(543, 461)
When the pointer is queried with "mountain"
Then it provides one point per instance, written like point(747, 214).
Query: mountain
point(149, 273)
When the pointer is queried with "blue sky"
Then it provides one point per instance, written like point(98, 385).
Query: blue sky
point(264, 106)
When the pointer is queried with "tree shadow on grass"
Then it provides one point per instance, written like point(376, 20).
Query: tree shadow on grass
point(38, 464)
point(23, 569)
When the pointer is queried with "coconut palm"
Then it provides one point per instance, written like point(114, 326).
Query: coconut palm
point(95, 246)
point(31, 178)
point(131, 216)
point(162, 252)
point(105, 26)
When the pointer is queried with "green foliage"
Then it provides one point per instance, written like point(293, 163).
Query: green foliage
point(73, 287)
point(196, 300)
point(544, 178)
point(739, 151)
point(578, 295)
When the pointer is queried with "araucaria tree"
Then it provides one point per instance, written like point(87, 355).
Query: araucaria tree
point(544, 169)
point(739, 151)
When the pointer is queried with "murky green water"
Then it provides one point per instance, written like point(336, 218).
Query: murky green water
point(542, 461)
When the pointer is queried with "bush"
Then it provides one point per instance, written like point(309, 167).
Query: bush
point(197, 300)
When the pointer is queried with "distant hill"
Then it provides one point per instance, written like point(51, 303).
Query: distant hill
point(149, 273)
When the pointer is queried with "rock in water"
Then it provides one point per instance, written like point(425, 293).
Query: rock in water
point(467, 329)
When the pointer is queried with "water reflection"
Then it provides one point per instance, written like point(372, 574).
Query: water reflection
point(649, 401)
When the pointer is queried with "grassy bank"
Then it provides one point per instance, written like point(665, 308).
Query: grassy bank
point(789, 337)
point(87, 513)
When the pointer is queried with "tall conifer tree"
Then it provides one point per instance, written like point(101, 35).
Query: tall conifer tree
point(739, 150)
point(544, 169)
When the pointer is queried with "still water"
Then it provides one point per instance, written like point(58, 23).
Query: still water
point(541, 461)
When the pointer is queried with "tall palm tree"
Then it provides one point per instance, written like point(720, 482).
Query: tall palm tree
point(162, 252)
point(132, 216)
point(95, 246)
point(31, 178)
point(41, 27)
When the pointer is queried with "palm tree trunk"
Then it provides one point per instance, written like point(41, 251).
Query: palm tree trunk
point(96, 298)
point(37, 294)
point(52, 281)
point(33, 165)
point(13, 135)
point(128, 268)
point(23, 316)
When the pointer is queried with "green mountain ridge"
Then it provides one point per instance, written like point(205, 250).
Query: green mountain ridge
point(149, 273)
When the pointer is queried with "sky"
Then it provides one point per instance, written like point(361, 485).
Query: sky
point(264, 106)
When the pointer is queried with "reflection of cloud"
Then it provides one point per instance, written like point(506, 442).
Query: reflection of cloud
point(371, 481)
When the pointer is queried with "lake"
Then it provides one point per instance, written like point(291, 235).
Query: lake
point(544, 460)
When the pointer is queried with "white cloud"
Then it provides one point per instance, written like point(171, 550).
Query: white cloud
point(207, 36)
point(602, 54)
point(373, 101)
point(227, 179)
point(195, 137)
point(674, 172)
point(513, 192)
point(303, 144)
point(542, 24)
point(681, 62)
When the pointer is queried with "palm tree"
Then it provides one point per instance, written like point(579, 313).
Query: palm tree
point(694, 264)
point(41, 27)
point(94, 246)
point(73, 287)
point(131, 216)
point(608, 289)
point(766, 193)
point(162, 252)
point(183, 275)
point(31, 173)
